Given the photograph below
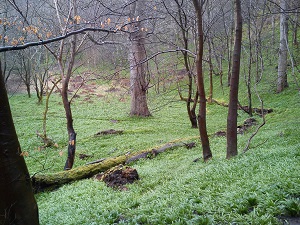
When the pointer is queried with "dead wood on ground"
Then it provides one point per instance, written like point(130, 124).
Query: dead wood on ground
point(241, 129)
point(41, 182)
point(108, 132)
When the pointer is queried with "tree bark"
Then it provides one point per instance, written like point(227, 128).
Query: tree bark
point(137, 53)
point(200, 82)
point(17, 205)
point(210, 44)
point(295, 28)
point(230, 40)
point(184, 32)
point(283, 50)
point(65, 77)
point(248, 80)
point(234, 86)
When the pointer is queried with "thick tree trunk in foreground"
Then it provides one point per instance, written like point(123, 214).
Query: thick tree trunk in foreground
point(17, 202)
point(137, 53)
point(44, 181)
point(234, 86)
point(202, 108)
point(283, 49)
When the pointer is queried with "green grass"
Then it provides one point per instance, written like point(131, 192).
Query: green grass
point(253, 188)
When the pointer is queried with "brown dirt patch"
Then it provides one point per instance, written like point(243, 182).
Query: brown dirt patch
point(290, 220)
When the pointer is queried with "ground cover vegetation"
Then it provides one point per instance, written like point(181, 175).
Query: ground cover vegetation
point(258, 187)
point(136, 77)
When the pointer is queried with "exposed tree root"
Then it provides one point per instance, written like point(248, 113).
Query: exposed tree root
point(118, 176)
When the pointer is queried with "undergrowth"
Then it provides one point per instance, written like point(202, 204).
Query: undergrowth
point(257, 187)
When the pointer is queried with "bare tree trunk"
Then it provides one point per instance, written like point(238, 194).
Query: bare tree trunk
point(70, 127)
point(234, 86)
point(17, 204)
point(210, 44)
point(65, 77)
point(295, 28)
point(184, 30)
point(248, 81)
point(202, 109)
point(210, 96)
point(137, 53)
point(273, 30)
point(283, 51)
point(229, 47)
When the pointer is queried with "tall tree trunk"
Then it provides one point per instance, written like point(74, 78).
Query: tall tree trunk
point(295, 28)
point(67, 106)
point(248, 81)
point(229, 47)
point(211, 68)
point(65, 77)
point(234, 86)
point(211, 85)
point(283, 50)
point(137, 53)
point(202, 109)
point(17, 204)
point(185, 36)
point(191, 110)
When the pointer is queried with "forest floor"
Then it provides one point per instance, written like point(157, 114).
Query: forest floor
point(261, 186)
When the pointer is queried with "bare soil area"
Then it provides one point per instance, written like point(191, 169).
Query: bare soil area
point(78, 86)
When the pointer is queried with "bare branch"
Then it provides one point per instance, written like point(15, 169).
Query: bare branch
point(168, 51)
point(62, 37)
point(260, 126)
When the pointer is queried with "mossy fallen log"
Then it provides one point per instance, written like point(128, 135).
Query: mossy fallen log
point(41, 182)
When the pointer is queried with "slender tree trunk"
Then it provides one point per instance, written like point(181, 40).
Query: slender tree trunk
point(234, 86)
point(273, 30)
point(211, 87)
point(202, 109)
point(67, 107)
point(283, 50)
point(210, 46)
point(70, 127)
point(185, 33)
point(191, 110)
point(65, 76)
point(248, 81)
point(229, 46)
point(17, 202)
point(295, 28)
point(137, 53)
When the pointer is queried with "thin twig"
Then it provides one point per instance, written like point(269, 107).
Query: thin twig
point(260, 126)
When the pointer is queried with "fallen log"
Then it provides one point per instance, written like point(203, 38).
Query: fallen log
point(41, 182)
point(108, 132)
